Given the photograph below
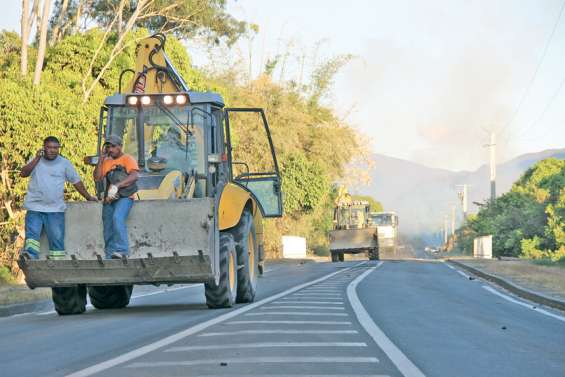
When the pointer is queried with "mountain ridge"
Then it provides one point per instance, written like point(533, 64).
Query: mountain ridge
point(423, 195)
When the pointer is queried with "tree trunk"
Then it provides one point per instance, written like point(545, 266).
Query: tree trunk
point(24, 36)
point(120, 16)
point(42, 42)
point(76, 26)
point(57, 27)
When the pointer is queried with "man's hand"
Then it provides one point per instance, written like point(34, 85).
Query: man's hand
point(113, 192)
point(104, 152)
point(27, 169)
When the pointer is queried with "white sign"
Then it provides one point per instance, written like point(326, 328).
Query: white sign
point(294, 247)
point(482, 247)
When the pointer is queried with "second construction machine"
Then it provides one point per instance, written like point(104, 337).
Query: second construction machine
point(351, 233)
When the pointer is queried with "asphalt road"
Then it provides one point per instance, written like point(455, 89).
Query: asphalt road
point(390, 318)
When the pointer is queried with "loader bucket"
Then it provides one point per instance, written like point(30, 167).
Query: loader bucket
point(353, 240)
point(171, 241)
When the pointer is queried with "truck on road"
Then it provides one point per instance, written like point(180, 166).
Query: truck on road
point(198, 217)
point(386, 224)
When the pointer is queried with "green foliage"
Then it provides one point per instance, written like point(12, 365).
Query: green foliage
point(376, 206)
point(5, 275)
point(528, 221)
point(305, 184)
point(185, 18)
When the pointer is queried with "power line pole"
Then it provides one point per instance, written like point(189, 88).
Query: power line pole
point(463, 195)
point(452, 220)
point(445, 229)
point(492, 147)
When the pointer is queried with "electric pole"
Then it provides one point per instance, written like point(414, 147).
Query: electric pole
point(452, 220)
point(445, 230)
point(492, 147)
point(463, 195)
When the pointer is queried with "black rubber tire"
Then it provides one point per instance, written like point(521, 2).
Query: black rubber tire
point(341, 257)
point(373, 254)
point(335, 257)
point(110, 296)
point(248, 270)
point(69, 300)
point(224, 294)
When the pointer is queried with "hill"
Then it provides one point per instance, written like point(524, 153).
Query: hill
point(422, 195)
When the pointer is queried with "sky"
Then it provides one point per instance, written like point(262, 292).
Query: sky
point(429, 80)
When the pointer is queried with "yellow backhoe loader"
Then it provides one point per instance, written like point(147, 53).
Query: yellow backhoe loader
point(200, 206)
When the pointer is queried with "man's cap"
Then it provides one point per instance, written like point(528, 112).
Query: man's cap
point(114, 140)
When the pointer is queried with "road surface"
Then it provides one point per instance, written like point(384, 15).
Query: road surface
point(389, 318)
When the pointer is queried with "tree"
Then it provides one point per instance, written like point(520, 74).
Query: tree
point(42, 42)
point(528, 221)
point(185, 18)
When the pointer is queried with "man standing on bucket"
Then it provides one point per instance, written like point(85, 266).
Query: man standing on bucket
point(44, 200)
point(120, 171)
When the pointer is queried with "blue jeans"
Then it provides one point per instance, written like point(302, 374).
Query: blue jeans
point(114, 216)
point(54, 225)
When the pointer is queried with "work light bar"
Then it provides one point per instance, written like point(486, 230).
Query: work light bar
point(169, 99)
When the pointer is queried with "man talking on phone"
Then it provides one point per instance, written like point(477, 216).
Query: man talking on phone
point(44, 200)
point(120, 171)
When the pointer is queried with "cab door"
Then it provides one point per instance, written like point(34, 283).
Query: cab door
point(252, 159)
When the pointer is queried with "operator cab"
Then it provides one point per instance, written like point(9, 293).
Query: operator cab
point(186, 147)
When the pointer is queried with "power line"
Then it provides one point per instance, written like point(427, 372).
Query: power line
point(547, 107)
point(531, 83)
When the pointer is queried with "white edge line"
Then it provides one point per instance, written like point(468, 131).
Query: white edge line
point(192, 330)
point(456, 270)
point(404, 365)
point(526, 305)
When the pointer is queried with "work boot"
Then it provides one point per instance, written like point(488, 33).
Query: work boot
point(27, 254)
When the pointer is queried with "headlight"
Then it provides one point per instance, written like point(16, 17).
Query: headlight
point(180, 99)
point(145, 100)
point(132, 101)
point(167, 100)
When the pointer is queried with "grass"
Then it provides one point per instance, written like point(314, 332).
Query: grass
point(13, 293)
point(550, 263)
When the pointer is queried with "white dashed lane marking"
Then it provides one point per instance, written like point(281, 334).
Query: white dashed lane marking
point(267, 345)
point(256, 360)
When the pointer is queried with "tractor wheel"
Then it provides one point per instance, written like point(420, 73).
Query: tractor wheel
point(335, 256)
point(69, 300)
point(341, 257)
point(223, 295)
point(110, 296)
point(247, 258)
point(374, 254)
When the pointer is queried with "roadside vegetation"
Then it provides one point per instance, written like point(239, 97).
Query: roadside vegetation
point(528, 221)
point(82, 66)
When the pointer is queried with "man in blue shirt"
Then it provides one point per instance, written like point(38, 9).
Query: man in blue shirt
point(44, 200)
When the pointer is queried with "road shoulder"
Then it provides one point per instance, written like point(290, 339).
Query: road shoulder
point(543, 285)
